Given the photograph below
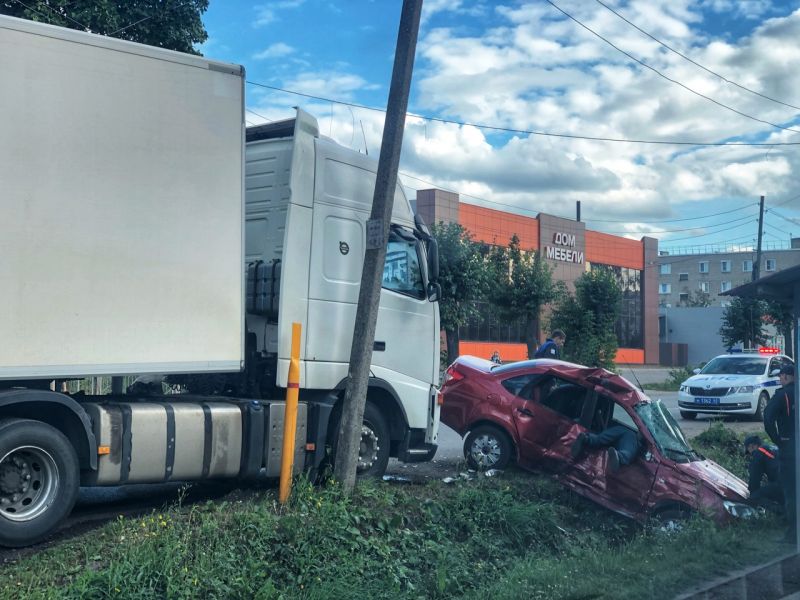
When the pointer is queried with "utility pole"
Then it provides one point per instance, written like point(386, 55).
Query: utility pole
point(377, 234)
point(757, 266)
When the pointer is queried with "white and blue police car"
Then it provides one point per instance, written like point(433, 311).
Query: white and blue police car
point(739, 383)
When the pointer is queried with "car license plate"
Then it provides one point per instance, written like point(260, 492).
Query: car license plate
point(706, 400)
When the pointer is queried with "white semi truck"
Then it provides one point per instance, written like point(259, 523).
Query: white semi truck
point(145, 230)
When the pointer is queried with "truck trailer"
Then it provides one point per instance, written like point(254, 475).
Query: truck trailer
point(147, 232)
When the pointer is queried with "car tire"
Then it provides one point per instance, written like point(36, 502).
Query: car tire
point(689, 416)
point(487, 447)
point(39, 480)
point(763, 398)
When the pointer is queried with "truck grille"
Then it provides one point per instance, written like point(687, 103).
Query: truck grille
point(698, 391)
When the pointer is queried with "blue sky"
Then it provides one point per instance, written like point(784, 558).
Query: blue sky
point(525, 66)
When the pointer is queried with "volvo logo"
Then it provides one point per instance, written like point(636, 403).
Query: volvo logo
point(708, 386)
point(344, 248)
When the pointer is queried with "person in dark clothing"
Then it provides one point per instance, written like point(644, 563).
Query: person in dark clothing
point(779, 417)
point(622, 444)
point(552, 346)
point(763, 460)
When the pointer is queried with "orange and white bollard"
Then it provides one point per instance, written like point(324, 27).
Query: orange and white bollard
point(290, 416)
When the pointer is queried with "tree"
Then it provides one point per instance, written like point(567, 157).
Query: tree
point(589, 317)
point(463, 277)
point(173, 25)
point(743, 321)
point(781, 316)
point(522, 283)
point(698, 299)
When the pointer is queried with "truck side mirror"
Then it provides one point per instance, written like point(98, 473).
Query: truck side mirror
point(434, 291)
point(433, 260)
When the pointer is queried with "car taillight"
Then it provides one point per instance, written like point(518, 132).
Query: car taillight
point(451, 374)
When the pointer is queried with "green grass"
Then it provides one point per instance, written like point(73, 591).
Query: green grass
point(519, 535)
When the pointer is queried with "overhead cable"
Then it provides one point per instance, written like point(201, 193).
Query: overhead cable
point(523, 131)
point(697, 64)
point(660, 74)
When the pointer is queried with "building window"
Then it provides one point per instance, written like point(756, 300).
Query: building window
point(724, 286)
point(666, 269)
point(725, 266)
point(628, 328)
point(747, 266)
point(683, 298)
point(683, 277)
point(703, 266)
point(664, 288)
point(770, 264)
point(704, 287)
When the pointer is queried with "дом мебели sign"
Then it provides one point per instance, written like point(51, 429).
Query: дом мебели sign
point(564, 249)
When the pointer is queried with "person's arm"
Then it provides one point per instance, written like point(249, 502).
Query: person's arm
point(770, 416)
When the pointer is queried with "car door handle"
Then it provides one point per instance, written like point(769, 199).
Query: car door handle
point(525, 412)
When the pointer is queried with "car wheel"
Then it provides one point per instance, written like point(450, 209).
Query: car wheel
point(689, 416)
point(763, 398)
point(487, 447)
point(672, 518)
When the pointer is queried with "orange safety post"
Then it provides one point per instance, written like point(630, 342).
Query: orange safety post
point(290, 416)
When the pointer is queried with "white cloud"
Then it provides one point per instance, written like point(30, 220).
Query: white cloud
point(269, 13)
point(276, 50)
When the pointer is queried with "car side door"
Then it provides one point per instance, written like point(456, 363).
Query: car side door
point(629, 487)
point(547, 414)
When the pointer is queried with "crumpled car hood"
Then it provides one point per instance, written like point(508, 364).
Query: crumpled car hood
point(723, 482)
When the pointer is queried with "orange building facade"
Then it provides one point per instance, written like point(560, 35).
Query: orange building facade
point(570, 249)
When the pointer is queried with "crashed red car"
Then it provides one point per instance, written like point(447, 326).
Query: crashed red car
point(531, 412)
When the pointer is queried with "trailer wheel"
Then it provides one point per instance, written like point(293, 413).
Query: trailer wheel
point(39, 479)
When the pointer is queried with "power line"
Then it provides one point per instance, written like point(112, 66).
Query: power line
point(54, 11)
point(702, 227)
point(675, 220)
point(697, 64)
point(783, 231)
point(787, 219)
point(660, 74)
point(258, 115)
point(142, 20)
point(523, 131)
point(693, 237)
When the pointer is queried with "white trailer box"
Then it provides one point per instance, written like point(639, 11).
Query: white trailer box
point(121, 207)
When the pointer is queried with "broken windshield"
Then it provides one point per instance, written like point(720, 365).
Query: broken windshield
point(665, 431)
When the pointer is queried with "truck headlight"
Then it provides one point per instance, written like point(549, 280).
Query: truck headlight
point(739, 510)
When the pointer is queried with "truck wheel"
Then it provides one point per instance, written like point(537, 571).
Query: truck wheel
point(39, 479)
point(689, 416)
point(373, 451)
point(487, 447)
point(374, 447)
point(763, 398)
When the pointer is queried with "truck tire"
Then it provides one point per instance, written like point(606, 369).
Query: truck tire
point(373, 453)
point(39, 479)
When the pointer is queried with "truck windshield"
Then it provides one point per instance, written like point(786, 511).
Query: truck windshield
point(728, 365)
point(665, 431)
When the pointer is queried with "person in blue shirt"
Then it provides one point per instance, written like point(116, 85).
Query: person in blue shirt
point(552, 347)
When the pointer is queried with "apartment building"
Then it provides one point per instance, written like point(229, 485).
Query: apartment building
point(688, 279)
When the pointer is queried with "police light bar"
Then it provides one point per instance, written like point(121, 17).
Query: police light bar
point(769, 350)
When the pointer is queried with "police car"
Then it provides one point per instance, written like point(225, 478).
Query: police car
point(734, 383)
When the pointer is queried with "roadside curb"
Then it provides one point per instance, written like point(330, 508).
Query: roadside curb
point(777, 579)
